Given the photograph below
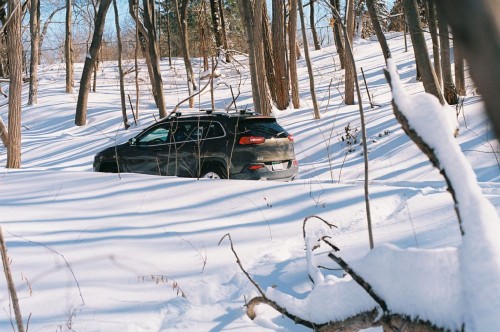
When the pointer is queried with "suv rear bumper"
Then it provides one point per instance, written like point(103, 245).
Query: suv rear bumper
point(265, 174)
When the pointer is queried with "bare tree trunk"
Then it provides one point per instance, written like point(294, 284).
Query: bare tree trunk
point(142, 42)
point(149, 24)
point(279, 52)
point(246, 10)
point(431, 18)
point(15, 59)
point(260, 64)
point(81, 106)
point(337, 34)
point(317, 115)
point(135, 10)
point(252, 15)
point(268, 55)
point(350, 75)
point(458, 56)
point(378, 29)
point(224, 30)
point(120, 69)
point(4, 133)
point(292, 41)
point(429, 79)
point(184, 39)
point(450, 93)
point(478, 34)
point(312, 22)
point(169, 41)
point(35, 50)
point(68, 49)
point(215, 12)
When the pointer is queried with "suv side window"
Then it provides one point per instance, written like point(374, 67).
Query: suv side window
point(211, 129)
point(196, 130)
point(155, 136)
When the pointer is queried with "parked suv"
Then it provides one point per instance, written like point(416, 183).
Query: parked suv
point(208, 144)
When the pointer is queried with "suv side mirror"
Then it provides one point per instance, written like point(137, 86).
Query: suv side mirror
point(132, 141)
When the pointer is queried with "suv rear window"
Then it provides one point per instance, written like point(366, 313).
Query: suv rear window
point(267, 128)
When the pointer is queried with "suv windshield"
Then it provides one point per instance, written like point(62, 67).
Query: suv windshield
point(267, 128)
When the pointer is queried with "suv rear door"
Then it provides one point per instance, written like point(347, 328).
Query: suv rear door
point(196, 141)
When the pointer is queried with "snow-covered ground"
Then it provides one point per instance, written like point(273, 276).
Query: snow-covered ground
point(103, 252)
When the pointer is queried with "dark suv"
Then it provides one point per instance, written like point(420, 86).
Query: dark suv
point(239, 145)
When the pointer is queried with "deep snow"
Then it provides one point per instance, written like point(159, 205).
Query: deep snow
point(103, 252)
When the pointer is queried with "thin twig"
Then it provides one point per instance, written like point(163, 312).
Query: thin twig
point(61, 255)
point(309, 217)
point(241, 266)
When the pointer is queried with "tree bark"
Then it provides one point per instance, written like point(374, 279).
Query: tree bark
point(292, 41)
point(312, 22)
point(279, 52)
point(149, 24)
point(350, 74)
point(378, 29)
point(450, 93)
point(312, 87)
point(268, 55)
point(482, 32)
point(429, 79)
point(68, 49)
point(215, 13)
point(15, 59)
point(252, 14)
point(120, 69)
point(337, 34)
point(142, 43)
point(81, 106)
point(224, 31)
point(35, 51)
point(458, 57)
point(260, 64)
point(184, 39)
point(432, 21)
point(4, 133)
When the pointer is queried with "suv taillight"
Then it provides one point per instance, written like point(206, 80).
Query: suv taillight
point(290, 137)
point(245, 140)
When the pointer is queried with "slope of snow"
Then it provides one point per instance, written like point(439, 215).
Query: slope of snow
point(103, 252)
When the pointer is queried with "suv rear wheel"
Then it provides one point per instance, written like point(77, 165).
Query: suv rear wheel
point(213, 171)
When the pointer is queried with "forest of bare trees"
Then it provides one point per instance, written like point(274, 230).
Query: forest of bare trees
point(272, 33)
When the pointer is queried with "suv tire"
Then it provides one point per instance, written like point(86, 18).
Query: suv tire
point(213, 171)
